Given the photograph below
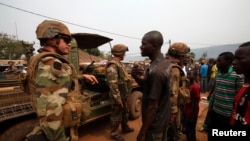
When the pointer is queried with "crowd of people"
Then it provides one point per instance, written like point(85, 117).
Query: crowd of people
point(164, 114)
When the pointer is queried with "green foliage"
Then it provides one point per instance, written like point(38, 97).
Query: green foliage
point(10, 48)
point(95, 52)
point(192, 54)
point(102, 54)
point(204, 55)
point(108, 55)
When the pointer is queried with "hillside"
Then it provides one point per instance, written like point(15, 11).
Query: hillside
point(214, 51)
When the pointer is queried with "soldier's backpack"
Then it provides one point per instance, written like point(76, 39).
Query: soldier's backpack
point(72, 109)
point(125, 82)
point(184, 93)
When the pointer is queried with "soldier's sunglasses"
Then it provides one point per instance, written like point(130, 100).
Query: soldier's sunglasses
point(66, 38)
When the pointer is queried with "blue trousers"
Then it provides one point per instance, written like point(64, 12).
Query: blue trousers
point(204, 84)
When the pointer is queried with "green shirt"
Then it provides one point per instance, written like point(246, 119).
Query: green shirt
point(226, 89)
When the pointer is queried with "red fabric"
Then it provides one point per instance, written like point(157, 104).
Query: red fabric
point(247, 116)
point(236, 104)
point(194, 94)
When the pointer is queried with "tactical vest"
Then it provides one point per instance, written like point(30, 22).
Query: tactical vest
point(124, 82)
point(27, 81)
point(72, 109)
point(180, 92)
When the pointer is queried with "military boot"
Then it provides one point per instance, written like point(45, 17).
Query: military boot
point(127, 129)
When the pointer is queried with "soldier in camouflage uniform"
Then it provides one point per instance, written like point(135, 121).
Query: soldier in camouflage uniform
point(120, 85)
point(53, 78)
point(176, 54)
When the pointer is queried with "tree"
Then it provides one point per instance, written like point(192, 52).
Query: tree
point(95, 52)
point(192, 54)
point(204, 55)
point(108, 55)
point(10, 48)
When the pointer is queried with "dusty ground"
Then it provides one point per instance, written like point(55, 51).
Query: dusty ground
point(99, 130)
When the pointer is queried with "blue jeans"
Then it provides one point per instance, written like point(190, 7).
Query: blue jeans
point(211, 83)
point(204, 84)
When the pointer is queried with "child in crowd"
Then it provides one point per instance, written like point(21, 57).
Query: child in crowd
point(192, 108)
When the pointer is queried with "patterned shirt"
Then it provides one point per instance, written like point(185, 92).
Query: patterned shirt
point(227, 86)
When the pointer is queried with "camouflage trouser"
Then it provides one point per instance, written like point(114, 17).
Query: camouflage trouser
point(51, 117)
point(119, 115)
point(171, 132)
point(179, 118)
point(55, 135)
point(174, 127)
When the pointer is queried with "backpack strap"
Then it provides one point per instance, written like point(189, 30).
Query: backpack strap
point(27, 81)
point(183, 77)
point(120, 69)
point(184, 93)
point(32, 66)
point(179, 67)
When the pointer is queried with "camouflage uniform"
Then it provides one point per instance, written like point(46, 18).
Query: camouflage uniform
point(120, 85)
point(177, 50)
point(52, 80)
point(52, 85)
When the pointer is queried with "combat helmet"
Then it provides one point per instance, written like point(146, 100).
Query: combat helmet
point(119, 49)
point(50, 29)
point(178, 49)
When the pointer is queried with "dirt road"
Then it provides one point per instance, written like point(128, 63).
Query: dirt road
point(99, 130)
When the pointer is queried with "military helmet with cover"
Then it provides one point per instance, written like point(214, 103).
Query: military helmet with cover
point(119, 49)
point(50, 29)
point(178, 49)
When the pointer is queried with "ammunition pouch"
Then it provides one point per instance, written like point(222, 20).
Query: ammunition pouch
point(125, 88)
point(72, 109)
point(72, 113)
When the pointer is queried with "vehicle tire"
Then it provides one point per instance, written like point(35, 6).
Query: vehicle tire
point(134, 105)
point(19, 131)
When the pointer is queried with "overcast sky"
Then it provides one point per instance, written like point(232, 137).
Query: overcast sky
point(198, 23)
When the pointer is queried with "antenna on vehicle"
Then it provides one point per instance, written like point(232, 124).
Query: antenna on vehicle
point(110, 49)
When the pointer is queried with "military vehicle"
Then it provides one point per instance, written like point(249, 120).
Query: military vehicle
point(17, 114)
